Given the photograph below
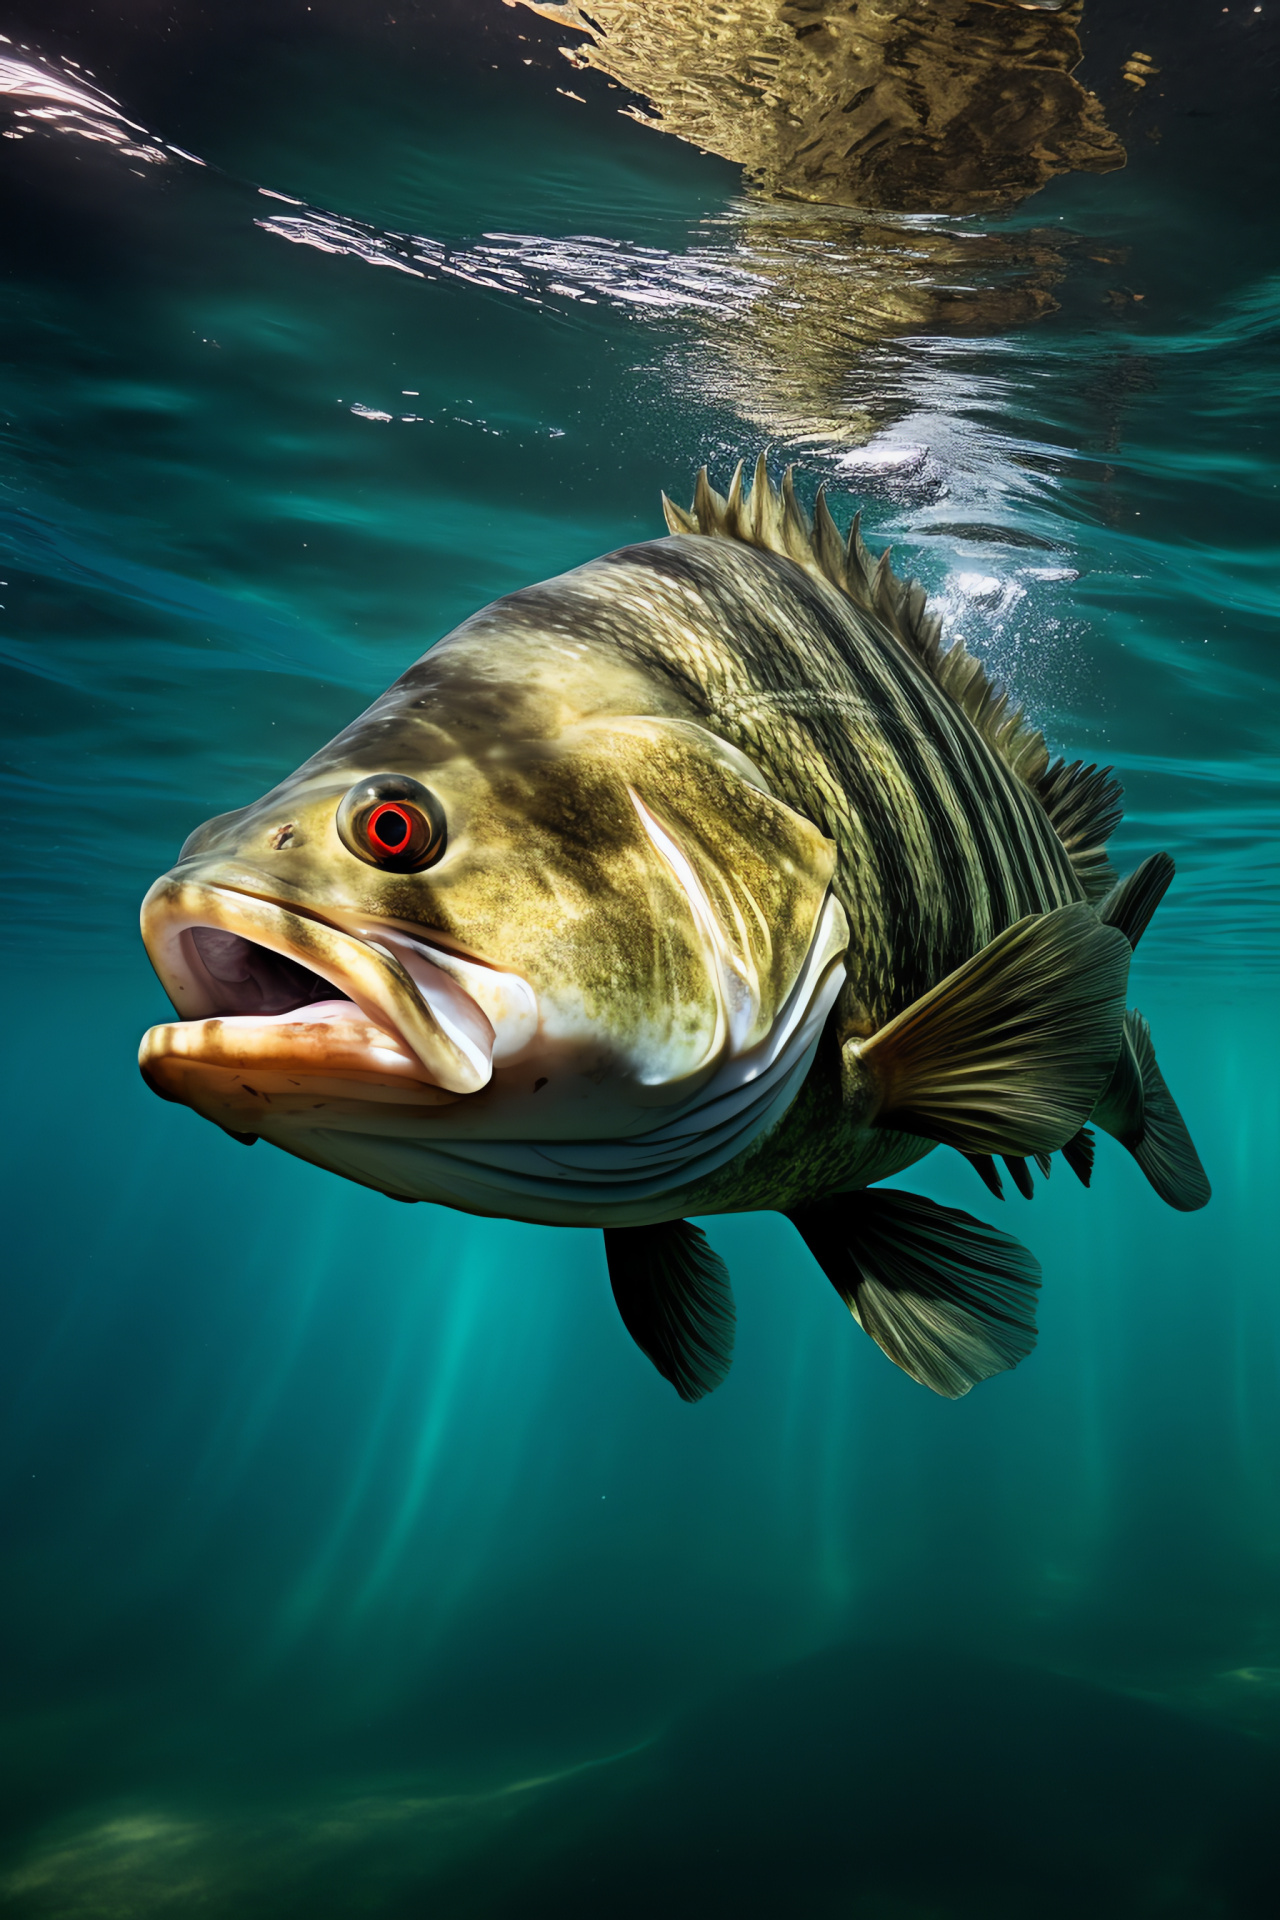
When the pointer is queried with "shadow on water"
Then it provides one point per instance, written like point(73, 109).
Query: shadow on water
point(885, 1782)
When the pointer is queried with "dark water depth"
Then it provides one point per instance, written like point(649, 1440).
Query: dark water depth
point(356, 1561)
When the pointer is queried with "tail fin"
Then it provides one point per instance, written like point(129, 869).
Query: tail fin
point(1139, 1111)
point(1165, 1152)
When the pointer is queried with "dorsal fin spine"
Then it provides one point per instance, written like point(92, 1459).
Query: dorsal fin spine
point(1082, 802)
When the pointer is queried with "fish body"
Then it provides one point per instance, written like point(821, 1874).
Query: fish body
point(700, 879)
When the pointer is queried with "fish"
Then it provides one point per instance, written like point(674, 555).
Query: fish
point(705, 878)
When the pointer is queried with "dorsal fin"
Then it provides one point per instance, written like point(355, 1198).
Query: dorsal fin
point(1132, 901)
point(1082, 802)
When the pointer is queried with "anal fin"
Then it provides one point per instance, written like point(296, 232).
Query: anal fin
point(949, 1300)
point(1020, 1174)
point(676, 1302)
point(988, 1172)
point(1078, 1154)
point(1010, 1053)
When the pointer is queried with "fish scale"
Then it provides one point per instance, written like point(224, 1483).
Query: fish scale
point(934, 858)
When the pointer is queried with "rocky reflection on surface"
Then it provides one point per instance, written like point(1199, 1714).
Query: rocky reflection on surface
point(921, 109)
point(950, 106)
point(827, 287)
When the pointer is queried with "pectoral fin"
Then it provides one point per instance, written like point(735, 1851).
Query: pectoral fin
point(1009, 1053)
point(950, 1300)
point(674, 1296)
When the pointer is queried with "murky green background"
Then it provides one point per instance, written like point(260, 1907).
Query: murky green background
point(356, 1562)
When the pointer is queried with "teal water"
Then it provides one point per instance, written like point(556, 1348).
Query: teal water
point(356, 1560)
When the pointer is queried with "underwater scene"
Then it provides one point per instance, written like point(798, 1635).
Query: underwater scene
point(364, 1558)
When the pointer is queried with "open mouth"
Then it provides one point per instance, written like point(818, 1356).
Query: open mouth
point(279, 1007)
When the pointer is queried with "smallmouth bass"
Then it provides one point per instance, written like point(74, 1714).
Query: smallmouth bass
point(701, 879)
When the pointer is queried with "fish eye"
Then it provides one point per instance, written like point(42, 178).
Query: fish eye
point(393, 822)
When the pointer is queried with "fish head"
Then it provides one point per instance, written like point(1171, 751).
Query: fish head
point(509, 905)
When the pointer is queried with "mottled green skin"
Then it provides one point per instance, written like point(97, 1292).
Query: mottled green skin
point(940, 844)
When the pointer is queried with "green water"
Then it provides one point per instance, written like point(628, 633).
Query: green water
point(356, 1562)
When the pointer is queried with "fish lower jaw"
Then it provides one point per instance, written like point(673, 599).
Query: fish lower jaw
point(255, 975)
point(246, 1071)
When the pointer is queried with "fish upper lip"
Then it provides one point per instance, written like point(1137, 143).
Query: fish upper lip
point(439, 1024)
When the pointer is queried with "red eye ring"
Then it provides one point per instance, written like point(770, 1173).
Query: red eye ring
point(378, 839)
point(392, 821)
